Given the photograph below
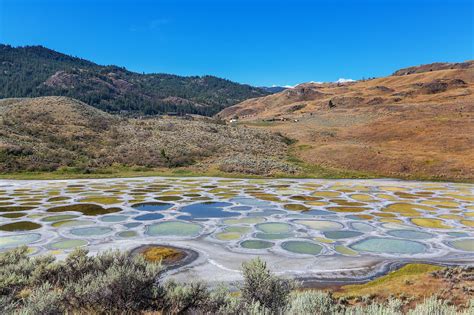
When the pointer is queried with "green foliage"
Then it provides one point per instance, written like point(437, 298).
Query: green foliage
point(117, 283)
point(32, 71)
point(260, 285)
point(434, 306)
point(111, 281)
point(311, 302)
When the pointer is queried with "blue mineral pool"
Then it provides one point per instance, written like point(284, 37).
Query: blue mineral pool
point(204, 210)
point(149, 217)
point(152, 206)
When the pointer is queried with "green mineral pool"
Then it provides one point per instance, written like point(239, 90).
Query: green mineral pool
point(67, 244)
point(256, 244)
point(466, 244)
point(174, 228)
point(18, 240)
point(302, 247)
point(383, 245)
point(274, 227)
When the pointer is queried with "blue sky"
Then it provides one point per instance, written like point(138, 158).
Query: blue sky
point(257, 42)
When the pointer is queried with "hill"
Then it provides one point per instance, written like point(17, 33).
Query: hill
point(415, 123)
point(33, 71)
point(53, 133)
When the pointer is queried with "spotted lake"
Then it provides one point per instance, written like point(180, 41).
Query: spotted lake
point(307, 228)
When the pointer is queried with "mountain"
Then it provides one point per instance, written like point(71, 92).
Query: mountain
point(53, 133)
point(415, 123)
point(33, 71)
point(273, 89)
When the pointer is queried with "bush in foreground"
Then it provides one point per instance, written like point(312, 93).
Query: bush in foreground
point(115, 282)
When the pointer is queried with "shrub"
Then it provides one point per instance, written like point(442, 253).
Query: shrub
point(111, 281)
point(180, 299)
point(433, 306)
point(261, 286)
point(115, 282)
point(311, 302)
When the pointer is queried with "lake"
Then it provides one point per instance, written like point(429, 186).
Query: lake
point(304, 227)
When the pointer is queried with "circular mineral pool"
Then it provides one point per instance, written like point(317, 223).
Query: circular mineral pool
point(336, 235)
point(274, 227)
point(20, 226)
point(410, 234)
point(256, 244)
point(174, 228)
point(318, 212)
point(321, 225)
point(169, 198)
point(113, 218)
point(60, 217)
point(466, 244)
point(457, 234)
point(71, 223)
point(152, 206)
point(132, 225)
point(127, 234)
point(228, 236)
point(241, 208)
point(273, 236)
point(361, 226)
point(67, 244)
point(149, 217)
point(389, 246)
point(18, 240)
point(302, 247)
point(91, 231)
point(210, 209)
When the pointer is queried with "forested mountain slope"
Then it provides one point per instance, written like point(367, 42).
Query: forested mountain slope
point(32, 71)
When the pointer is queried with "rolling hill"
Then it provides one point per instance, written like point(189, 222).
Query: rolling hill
point(416, 123)
point(33, 71)
point(56, 133)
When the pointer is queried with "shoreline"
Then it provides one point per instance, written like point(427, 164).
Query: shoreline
point(188, 172)
point(373, 272)
point(55, 177)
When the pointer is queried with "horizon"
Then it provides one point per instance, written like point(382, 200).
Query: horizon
point(247, 42)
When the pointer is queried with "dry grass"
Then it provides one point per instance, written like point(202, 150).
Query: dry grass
point(412, 126)
point(414, 283)
point(64, 135)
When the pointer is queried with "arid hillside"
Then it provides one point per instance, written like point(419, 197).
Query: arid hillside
point(50, 133)
point(416, 123)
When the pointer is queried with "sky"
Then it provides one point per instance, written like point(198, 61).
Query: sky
point(259, 42)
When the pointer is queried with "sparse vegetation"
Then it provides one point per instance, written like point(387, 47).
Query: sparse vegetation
point(115, 282)
point(62, 135)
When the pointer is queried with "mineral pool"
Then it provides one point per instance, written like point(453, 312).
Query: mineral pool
point(298, 221)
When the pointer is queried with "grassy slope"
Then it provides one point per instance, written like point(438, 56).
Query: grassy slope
point(412, 278)
point(415, 126)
